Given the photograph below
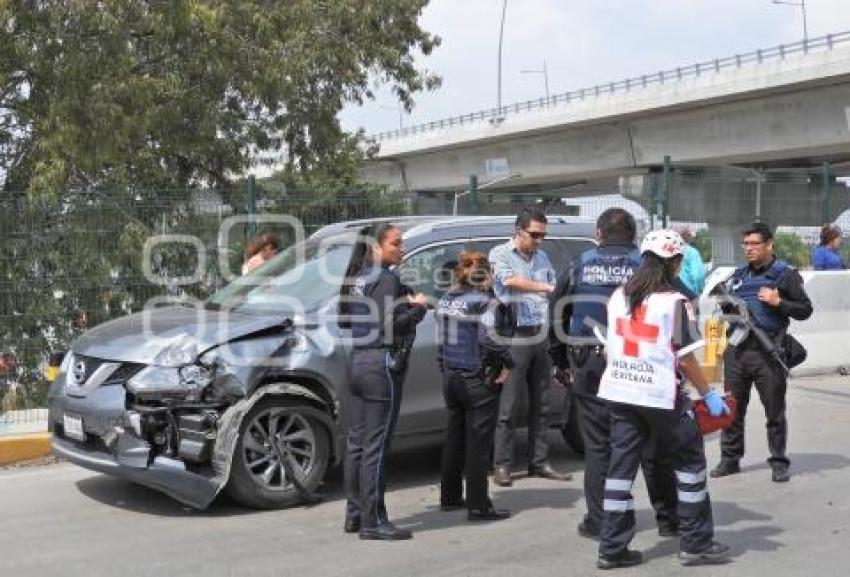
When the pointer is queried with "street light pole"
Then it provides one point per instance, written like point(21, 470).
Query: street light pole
point(802, 5)
point(499, 71)
point(545, 74)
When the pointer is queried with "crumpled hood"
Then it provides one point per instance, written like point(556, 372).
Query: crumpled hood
point(143, 337)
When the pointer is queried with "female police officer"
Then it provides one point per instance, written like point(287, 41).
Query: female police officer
point(652, 333)
point(475, 362)
point(382, 314)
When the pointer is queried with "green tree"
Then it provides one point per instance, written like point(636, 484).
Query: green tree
point(702, 242)
point(145, 93)
point(790, 247)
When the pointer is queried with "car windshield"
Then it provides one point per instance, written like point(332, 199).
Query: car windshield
point(299, 279)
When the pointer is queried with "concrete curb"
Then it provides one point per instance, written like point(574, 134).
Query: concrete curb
point(17, 448)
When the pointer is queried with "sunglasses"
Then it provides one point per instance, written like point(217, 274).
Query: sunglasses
point(535, 235)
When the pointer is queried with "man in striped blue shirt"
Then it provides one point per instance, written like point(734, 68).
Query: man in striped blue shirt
point(524, 278)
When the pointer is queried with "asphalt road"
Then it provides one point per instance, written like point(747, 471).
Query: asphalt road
point(62, 520)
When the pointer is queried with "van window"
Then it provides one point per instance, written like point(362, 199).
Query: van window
point(430, 270)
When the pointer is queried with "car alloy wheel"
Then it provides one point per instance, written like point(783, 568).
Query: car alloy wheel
point(279, 442)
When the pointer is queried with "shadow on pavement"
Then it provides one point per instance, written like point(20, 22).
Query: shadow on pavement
point(725, 513)
point(807, 463)
point(514, 499)
point(740, 542)
point(751, 539)
point(405, 469)
point(115, 492)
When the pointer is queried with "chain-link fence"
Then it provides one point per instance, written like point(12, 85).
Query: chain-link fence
point(79, 259)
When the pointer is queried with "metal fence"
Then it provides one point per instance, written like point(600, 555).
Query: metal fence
point(80, 259)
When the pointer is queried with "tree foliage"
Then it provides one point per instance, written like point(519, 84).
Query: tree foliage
point(790, 247)
point(147, 93)
point(702, 242)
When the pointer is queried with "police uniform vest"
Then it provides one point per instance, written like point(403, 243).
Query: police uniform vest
point(597, 275)
point(458, 316)
point(746, 285)
point(641, 366)
point(366, 329)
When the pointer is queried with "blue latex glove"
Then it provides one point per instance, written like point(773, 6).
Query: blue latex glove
point(716, 403)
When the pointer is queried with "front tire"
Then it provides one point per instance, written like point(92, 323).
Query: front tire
point(273, 430)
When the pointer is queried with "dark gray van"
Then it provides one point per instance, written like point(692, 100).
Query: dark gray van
point(246, 391)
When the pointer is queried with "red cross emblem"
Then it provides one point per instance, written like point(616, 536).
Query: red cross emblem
point(634, 331)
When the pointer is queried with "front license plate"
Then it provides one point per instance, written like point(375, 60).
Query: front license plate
point(73, 427)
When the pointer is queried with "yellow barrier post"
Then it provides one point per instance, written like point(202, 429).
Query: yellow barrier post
point(714, 333)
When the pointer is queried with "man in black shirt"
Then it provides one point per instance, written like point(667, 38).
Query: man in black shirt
point(772, 292)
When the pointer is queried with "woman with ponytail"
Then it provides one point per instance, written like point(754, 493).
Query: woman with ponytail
point(382, 315)
point(652, 336)
point(475, 362)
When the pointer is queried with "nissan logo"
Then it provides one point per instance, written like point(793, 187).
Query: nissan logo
point(79, 373)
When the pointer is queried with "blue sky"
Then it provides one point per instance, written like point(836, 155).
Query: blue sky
point(584, 42)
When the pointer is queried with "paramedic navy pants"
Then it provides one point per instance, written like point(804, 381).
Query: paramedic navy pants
point(631, 428)
point(373, 411)
point(594, 420)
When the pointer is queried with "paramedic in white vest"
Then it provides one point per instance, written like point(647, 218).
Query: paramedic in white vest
point(652, 334)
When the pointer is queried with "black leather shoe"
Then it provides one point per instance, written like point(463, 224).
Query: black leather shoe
point(588, 531)
point(781, 474)
point(488, 514)
point(627, 558)
point(714, 553)
point(452, 505)
point(548, 472)
point(352, 525)
point(725, 468)
point(502, 477)
point(385, 532)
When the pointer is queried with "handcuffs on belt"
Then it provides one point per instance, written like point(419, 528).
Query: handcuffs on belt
point(578, 354)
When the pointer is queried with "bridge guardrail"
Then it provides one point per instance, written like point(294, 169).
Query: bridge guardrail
point(672, 75)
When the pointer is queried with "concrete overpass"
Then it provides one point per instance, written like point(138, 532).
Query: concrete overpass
point(787, 106)
point(781, 110)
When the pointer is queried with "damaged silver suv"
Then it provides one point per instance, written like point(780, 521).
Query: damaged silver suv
point(246, 391)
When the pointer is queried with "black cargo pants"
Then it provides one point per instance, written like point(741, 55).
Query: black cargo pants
point(743, 367)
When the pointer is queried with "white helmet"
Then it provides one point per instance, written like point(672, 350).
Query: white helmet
point(665, 243)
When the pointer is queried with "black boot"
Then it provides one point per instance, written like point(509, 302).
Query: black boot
point(627, 558)
point(714, 553)
point(385, 532)
point(781, 474)
point(725, 468)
